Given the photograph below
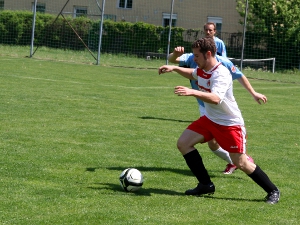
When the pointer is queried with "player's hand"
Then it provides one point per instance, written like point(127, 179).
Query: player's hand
point(178, 51)
point(183, 91)
point(165, 69)
point(260, 98)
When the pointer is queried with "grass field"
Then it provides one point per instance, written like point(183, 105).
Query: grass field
point(68, 130)
point(121, 60)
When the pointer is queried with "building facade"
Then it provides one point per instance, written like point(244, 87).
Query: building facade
point(189, 14)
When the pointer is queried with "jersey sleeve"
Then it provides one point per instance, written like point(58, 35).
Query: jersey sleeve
point(187, 60)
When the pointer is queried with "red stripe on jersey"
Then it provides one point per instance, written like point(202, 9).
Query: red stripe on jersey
point(205, 89)
point(206, 76)
point(202, 74)
point(216, 67)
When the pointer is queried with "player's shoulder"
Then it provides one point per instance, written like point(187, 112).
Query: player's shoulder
point(187, 56)
point(229, 65)
point(218, 40)
point(223, 60)
point(223, 69)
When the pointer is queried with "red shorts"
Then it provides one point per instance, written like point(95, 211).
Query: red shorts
point(230, 138)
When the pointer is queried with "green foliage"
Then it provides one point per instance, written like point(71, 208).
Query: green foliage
point(273, 30)
point(15, 27)
point(57, 32)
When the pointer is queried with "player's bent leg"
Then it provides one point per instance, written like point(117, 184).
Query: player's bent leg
point(223, 154)
point(258, 176)
point(241, 162)
point(213, 145)
point(188, 140)
point(250, 159)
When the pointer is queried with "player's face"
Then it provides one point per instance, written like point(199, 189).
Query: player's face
point(199, 58)
point(209, 30)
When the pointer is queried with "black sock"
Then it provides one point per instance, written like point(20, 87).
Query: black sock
point(262, 180)
point(194, 162)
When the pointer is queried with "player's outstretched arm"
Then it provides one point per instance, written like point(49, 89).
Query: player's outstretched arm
point(185, 72)
point(258, 97)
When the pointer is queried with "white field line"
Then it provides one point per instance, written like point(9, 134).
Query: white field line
point(75, 82)
point(128, 87)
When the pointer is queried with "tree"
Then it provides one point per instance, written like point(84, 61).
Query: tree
point(274, 27)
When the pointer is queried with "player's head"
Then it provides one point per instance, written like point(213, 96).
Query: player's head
point(204, 50)
point(210, 29)
point(205, 45)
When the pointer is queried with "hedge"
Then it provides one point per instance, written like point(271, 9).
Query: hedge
point(56, 32)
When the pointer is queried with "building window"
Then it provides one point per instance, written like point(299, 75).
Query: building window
point(126, 4)
point(1, 5)
point(166, 19)
point(40, 7)
point(218, 21)
point(80, 11)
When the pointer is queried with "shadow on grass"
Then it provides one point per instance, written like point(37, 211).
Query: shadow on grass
point(157, 118)
point(213, 174)
point(232, 199)
point(143, 168)
point(149, 191)
point(142, 192)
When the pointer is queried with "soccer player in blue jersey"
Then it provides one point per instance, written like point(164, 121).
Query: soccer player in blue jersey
point(187, 60)
point(210, 31)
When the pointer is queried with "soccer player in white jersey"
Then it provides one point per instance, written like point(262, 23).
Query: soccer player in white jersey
point(187, 60)
point(222, 120)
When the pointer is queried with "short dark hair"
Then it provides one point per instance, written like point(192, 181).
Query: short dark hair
point(210, 23)
point(205, 44)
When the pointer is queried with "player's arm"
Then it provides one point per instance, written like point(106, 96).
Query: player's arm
point(185, 72)
point(237, 74)
point(204, 96)
point(257, 96)
point(174, 57)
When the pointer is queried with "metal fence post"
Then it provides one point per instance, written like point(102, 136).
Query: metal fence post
point(33, 28)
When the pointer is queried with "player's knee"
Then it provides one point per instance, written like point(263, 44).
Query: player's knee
point(245, 166)
point(213, 145)
point(180, 144)
point(183, 146)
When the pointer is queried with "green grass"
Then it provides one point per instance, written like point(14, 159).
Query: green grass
point(68, 130)
point(129, 61)
point(82, 57)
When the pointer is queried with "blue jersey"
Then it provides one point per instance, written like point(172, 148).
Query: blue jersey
point(187, 60)
point(221, 49)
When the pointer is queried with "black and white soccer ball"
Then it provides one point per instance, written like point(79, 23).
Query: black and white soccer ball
point(131, 180)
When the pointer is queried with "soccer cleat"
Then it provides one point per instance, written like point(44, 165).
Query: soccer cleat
point(230, 168)
point(250, 159)
point(273, 197)
point(202, 189)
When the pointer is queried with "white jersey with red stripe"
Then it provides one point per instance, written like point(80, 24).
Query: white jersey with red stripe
point(218, 80)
